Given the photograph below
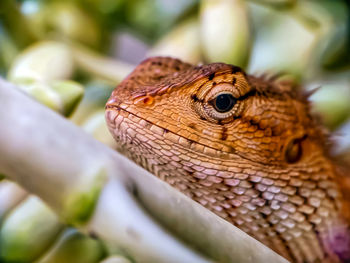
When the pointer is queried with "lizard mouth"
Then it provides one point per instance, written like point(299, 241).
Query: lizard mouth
point(113, 111)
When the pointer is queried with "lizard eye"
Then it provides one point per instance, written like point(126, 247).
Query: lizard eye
point(223, 102)
point(220, 103)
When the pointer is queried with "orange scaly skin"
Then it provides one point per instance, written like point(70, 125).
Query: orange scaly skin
point(262, 165)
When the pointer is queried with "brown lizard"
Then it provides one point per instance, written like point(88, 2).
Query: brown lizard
point(245, 147)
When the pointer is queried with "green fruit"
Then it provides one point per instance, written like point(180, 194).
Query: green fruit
point(28, 231)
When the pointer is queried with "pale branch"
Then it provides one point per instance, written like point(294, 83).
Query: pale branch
point(102, 192)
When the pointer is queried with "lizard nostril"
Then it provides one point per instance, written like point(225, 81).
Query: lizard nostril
point(147, 100)
point(294, 151)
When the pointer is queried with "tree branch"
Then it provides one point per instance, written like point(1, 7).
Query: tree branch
point(100, 191)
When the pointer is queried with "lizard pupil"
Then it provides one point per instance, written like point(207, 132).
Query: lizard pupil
point(224, 102)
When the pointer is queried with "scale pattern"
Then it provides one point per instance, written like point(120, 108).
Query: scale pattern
point(264, 168)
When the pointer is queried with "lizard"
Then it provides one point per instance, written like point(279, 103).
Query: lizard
point(246, 147)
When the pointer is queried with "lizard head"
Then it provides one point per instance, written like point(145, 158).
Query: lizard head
point(215, 109)
point(245, 147)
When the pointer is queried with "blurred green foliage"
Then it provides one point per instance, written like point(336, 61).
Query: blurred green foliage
point(52, 48)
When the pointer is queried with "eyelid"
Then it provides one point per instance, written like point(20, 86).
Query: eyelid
point(221, 89)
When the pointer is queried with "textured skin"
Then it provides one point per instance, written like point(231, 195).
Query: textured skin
point(263, 166)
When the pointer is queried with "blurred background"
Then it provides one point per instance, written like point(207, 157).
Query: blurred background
point(69, 55)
